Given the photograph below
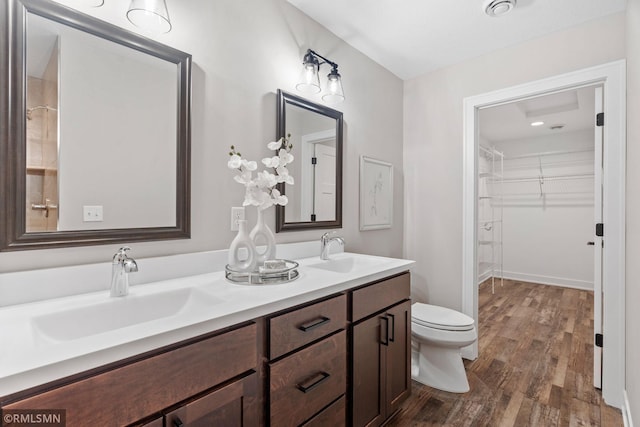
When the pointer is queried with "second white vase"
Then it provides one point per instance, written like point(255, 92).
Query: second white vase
point(263, 238)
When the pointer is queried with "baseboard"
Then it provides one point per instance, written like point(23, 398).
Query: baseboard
point(549, 280)
point(626, 410)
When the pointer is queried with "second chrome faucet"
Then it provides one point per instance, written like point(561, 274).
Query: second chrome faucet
point(121, 266)
point(325, 242)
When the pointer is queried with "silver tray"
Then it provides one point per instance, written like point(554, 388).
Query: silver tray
point(288, 274)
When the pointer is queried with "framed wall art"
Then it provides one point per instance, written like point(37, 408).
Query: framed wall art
point(376, 194)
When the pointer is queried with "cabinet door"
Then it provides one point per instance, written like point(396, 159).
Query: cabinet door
point(398, 363)
point(232, 405)
point(368, 360)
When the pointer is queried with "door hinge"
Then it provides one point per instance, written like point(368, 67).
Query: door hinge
point(600, 119)
point(599, 229)
point(314, 160)
point(599, 339)
point(313, 217)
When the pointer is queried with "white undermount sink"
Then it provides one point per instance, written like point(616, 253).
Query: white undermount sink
point(116, 313)
point(345, 263)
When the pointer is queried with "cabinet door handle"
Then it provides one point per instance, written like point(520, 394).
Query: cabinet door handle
point(386, 331)
point(177, 422)
point(392, 336)
point(313, 382)
point(314, 324)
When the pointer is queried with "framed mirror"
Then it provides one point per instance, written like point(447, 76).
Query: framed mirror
point(315, 200)
point(95, 142)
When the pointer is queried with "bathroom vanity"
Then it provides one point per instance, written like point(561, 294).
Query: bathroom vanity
point(332, 348)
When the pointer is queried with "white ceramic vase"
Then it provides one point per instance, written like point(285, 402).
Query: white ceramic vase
point(263, 237)
point(242, 251)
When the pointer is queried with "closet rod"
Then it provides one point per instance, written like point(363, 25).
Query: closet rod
point(546, 153)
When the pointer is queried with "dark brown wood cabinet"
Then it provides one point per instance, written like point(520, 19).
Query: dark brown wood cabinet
point(339, 360)
point(228, 406)
point(139, 389)
point(380, 351)
point(308, 367)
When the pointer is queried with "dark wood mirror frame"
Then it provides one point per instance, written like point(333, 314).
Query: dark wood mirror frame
point(285, 98)
point(13, 235)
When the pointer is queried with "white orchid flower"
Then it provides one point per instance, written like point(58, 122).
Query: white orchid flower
point(285, 157)
point(283, 175)
point(234, 162)
point(266, 180)
point(278, 199)
point(243, 178)
point(249, 165)
point(275, 145)
point(271, 162)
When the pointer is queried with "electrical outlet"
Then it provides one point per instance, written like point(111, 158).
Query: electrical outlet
point(92, 214)
point(236, 215)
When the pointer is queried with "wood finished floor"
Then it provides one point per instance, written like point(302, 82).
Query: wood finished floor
point(534, 369)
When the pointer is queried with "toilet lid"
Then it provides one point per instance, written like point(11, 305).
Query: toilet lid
point(433, 316)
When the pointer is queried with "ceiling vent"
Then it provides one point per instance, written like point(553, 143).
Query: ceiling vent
point(498, 7)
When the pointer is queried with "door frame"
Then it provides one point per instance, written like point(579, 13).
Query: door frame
point(612, 76)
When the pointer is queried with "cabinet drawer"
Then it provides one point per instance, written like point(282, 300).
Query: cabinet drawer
point(304, 325)
point(378, 296)
point(307, 381)
point(135, 391)
point(228, 406)
point(334, 415)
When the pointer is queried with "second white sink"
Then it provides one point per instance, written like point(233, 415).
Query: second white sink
point(117, 313)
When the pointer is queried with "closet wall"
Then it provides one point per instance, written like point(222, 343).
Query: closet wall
point(548, 209)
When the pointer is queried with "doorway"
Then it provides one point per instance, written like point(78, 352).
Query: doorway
point(612, 78)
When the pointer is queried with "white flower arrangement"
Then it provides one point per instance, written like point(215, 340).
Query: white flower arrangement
point(260, 191)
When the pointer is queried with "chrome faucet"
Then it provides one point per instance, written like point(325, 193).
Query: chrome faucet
point(120, 268)
point(325, 242)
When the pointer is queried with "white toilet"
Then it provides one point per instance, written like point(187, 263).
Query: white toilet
point(437, 335)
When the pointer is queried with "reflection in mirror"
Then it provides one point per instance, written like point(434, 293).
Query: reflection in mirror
point(100, 130)
point(90, 109)
point(315, 131)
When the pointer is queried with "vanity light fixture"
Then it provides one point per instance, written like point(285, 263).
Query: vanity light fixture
point(149, 15)
point(309, 82)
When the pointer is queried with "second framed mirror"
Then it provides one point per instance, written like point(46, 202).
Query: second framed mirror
point(315, 131)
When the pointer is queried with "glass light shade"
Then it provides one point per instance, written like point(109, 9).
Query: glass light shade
point(334, 93)
point(309, 81)
point(150, 15)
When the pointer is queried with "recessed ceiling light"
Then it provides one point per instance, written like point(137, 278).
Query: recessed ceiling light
point(496, 8)
point(537, 123)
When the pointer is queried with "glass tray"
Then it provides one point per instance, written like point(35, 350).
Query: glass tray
point(288, 274)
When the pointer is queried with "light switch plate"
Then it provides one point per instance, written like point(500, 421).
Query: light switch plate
point(237, 213)
point(92, 214)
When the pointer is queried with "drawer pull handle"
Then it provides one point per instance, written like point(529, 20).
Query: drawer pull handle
point(313, 382)
point(386, 331)
point(392, 338)
point(314, 324)
point(177, 422)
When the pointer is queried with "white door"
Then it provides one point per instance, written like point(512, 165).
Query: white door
point(325, 183)
point(598, 245)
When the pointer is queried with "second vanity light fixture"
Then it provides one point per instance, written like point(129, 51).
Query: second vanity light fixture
point(149, 15)
point(309, 82)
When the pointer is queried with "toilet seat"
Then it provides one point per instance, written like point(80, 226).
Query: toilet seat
point(441, 318)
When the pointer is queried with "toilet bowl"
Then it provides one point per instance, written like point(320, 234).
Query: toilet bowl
point(437, 336)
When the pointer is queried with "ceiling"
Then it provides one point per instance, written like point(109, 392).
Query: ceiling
point(573, 109)
point(413, 37)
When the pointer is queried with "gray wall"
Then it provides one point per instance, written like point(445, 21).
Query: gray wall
point(243, 51)
point(433, 128)
point(633, 208)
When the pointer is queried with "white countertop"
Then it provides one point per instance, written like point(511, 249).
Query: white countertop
point(29, 358)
